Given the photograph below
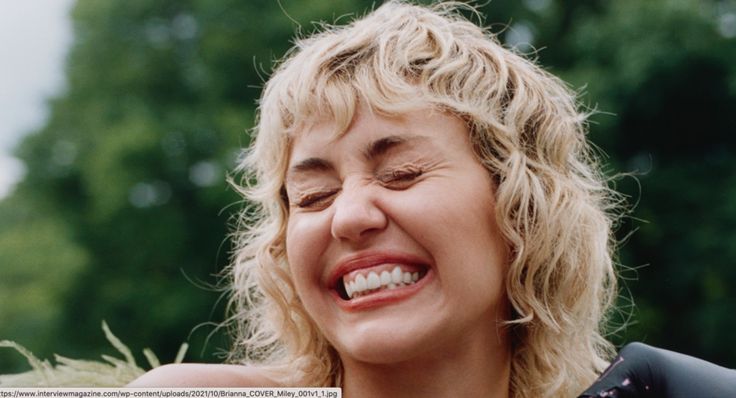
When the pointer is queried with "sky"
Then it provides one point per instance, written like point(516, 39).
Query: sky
point(35, 36)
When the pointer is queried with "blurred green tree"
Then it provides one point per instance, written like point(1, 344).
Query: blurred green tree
point(666, 72)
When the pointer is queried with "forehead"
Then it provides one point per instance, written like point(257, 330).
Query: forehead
point(367, 127)
point(325, 131)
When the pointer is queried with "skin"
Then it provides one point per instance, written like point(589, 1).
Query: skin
point(203, 375)
point(404, 190)
point(401, 190)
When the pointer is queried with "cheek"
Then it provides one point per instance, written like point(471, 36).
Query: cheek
point(461, 230)
point(452, 218)
point(305, 242)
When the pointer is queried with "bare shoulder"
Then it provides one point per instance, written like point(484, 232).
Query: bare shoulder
point(204, 375)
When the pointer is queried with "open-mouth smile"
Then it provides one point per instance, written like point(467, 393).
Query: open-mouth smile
point(360, 277)
point(363, 282)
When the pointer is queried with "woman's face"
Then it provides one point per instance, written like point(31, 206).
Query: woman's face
point(392, 240)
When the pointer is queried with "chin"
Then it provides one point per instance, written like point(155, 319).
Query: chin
point(387, 341)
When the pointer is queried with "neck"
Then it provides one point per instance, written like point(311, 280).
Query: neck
point(478, 366)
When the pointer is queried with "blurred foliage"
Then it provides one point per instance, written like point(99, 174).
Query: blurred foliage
point(124, 212)
point(666, 72)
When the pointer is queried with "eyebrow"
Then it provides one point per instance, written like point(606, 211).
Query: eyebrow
point(311, 164)
point(375, 149)
point(381, 146)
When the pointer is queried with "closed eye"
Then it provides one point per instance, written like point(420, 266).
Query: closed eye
point(315, 200)
point(400, 178)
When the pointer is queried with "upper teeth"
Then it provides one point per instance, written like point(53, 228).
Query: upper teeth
point(385, 279)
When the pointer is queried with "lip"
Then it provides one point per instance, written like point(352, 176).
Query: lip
point(371, 259)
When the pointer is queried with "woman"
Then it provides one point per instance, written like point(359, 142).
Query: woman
point(429, 221)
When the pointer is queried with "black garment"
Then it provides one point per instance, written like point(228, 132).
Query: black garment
point(640, 370)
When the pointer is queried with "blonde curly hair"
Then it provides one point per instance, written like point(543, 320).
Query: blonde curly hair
point(553, 204)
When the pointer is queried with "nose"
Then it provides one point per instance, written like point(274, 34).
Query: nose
point(357, 214)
